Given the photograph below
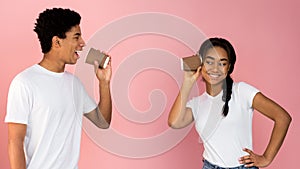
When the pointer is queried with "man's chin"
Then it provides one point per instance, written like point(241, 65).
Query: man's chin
point(72, 62)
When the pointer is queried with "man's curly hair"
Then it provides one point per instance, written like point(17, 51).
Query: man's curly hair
point(54, 22)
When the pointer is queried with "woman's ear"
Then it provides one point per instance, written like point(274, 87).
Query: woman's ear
point(229, 67)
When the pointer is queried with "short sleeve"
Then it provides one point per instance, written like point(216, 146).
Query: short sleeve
point(89, 103)
point(247, 93)
point(193, 104)
point(18, 102)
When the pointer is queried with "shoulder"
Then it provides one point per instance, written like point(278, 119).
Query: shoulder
point(199, 98)
point(22, 82)
point(241, 86)
point(244, 91)
point(25, 75)
point(71, 78)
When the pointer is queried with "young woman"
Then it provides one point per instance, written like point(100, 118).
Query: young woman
point(223, 113)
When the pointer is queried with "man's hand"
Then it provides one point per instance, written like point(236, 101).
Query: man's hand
point(103, 75)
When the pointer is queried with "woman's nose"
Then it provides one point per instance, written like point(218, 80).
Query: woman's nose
point(215, 67)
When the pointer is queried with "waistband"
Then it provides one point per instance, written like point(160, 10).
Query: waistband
point(210, 165)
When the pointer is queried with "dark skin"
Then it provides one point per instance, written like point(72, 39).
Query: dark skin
point(214, 71)
point(63, 52)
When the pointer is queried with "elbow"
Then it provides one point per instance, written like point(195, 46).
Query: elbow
point(105, 123)
point(288, 119)
point(285, 120)
point(103, 126)
point(173, 125)
point(170, 124)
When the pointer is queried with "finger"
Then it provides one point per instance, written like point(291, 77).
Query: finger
point(248, 150)
point(246, 159)
point(199, 69)
point(249, 165)
point(96, 66)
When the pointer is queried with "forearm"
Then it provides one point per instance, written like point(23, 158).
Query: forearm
point(178, 111)
point(105, 103)
point(277, 137)
point(16, 154)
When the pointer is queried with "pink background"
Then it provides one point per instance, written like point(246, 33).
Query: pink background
point(265, 35)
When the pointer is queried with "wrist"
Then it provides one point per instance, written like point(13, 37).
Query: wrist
point(268, 158)
point(104, 83)
point(187, 84)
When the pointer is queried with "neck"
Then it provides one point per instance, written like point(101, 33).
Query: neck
point(214, 89)
point(52, 65)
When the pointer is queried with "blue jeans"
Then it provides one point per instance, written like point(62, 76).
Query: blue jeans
point(208, 165)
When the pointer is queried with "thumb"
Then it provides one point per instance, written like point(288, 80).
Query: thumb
point(199, 69)
point(247, 150)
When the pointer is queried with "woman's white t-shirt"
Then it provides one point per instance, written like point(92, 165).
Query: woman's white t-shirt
point(225, 137)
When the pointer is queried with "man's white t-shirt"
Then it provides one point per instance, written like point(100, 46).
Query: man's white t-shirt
point(225, 137)
point(52, 106)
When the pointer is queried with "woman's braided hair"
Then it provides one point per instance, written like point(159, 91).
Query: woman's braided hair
point(227, 85)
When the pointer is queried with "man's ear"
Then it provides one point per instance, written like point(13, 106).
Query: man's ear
point(56, 41)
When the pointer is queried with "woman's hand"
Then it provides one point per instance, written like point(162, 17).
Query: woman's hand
point(254, 160)
point(190, 77)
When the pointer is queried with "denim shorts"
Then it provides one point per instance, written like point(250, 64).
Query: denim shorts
point(208, 165)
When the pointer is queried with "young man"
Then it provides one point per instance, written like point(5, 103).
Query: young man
point(46, 104)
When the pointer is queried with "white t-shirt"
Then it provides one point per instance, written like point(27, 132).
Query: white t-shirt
point(225, 137)
point(52, 106)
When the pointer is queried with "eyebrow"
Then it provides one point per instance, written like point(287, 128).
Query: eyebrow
point(210, 57)
point(77, 34)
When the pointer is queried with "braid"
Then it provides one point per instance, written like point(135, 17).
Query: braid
point(227, 91)
point(227, 85)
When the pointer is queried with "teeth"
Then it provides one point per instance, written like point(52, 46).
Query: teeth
point(214, 75)
point(78, 51)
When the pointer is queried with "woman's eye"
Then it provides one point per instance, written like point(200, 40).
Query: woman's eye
point(222, 64)
point(209, 62)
